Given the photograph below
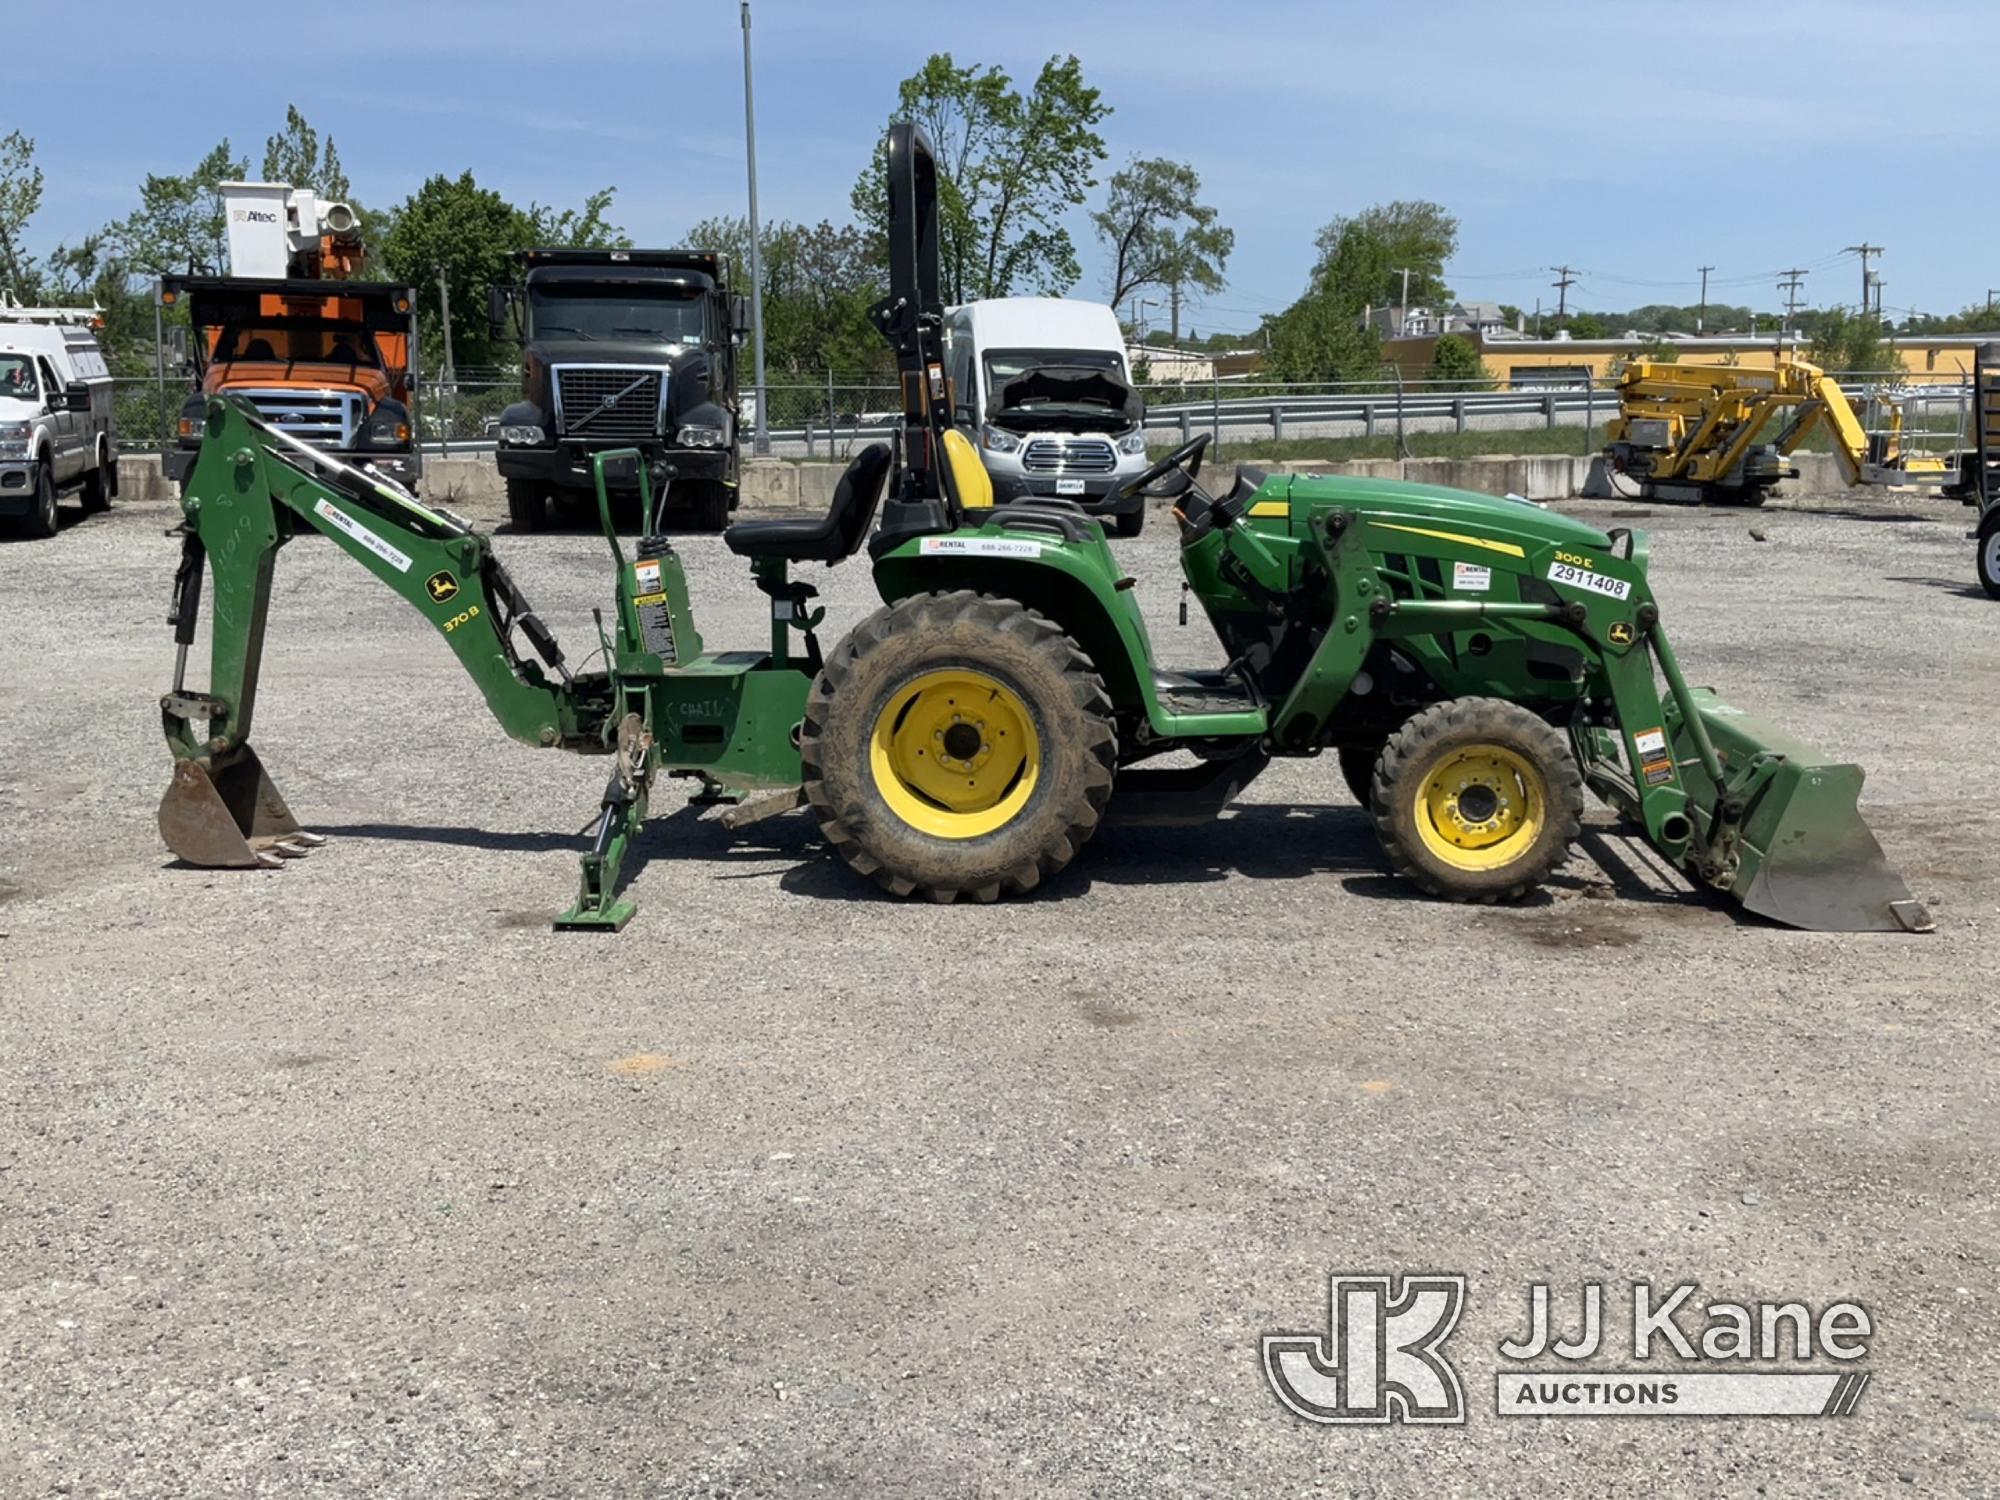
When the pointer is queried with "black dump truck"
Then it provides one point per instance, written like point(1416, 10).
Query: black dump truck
point(621, 349)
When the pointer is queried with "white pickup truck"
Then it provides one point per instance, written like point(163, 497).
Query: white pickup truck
point(55, 417)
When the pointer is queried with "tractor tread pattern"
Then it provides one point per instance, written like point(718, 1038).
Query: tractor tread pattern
point(929, 616)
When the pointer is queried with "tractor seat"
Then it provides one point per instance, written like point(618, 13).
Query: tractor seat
point(831, 537)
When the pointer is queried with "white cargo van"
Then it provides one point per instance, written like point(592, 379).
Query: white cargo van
point(1041, 384)
point(55, 416)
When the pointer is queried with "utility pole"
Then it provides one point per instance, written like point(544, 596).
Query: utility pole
point(1538, 317)
point(444, 314)
point(762, 443)
point(1701, 312)
point(1566, 278)
point(1789, 282)
point(1403, 310)
point(1865, 251)
point(1990, 293)
point(1174, 310)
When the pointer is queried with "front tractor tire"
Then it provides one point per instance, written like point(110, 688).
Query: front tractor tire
point(527, 505)
point(958, 745)
point(1476, 799)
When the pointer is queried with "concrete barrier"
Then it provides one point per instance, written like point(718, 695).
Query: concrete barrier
point(472, 486)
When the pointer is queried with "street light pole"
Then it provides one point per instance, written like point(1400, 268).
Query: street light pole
point(762, 442)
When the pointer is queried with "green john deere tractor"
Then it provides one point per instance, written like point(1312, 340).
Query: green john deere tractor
point(1471, 663)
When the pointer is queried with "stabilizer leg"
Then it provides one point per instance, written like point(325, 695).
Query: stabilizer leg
point(597, 907)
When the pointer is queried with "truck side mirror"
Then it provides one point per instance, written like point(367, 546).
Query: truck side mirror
point(739, 316)
point(499, 303)
point(76, 396)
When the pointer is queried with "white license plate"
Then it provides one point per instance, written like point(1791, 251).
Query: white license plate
point(1583, 578)
point(1069, 486)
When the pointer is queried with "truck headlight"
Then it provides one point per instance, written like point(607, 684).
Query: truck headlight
point(993, 440)
point(693, 436)
point(14, 438)
point(388, 425)
point(522, 435)
point(1132, 442)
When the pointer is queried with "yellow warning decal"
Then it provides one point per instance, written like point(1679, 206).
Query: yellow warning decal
point(1271, 508)
point(1454, 536)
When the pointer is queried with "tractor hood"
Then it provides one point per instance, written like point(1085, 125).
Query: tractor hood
point(1439, 506)
point(1058, 398)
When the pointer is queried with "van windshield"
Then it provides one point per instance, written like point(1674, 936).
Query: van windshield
point(570, 310)
point(17, 378)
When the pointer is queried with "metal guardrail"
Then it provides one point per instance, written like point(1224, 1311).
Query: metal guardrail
point(833, 417)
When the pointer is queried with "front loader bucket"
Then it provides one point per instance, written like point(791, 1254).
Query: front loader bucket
point(224, 812)
point(1805, 857)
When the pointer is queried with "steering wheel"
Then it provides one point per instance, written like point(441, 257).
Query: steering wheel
point(1187, 458)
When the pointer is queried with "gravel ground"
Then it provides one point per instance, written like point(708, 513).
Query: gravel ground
point(355, 1178)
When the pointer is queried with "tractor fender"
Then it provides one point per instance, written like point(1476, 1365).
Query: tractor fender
point(1072, 585)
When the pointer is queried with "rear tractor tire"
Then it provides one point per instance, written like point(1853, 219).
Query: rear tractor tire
point(1989, 552)
point(527, 505)
point(1129, 524)
point(1476, 799)
point(958, 745)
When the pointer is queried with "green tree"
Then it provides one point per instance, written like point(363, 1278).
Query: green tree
point(586, 228)
point(1158, 233)
point(294, 156)
point(470, 231)
point(180, 224)
point(1010, 167)
point(20, 199)
point(1362, 256)
point(1456, 365)
point(819, 281)
point(1845, 341)
point(1318, 339)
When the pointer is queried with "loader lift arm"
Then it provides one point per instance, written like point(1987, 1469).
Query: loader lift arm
point(254, 490)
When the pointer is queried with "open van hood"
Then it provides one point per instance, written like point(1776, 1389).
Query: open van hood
point(1074, 398)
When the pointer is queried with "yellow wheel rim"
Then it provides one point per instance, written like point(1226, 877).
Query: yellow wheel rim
point(954, 753)
point(1481, 807)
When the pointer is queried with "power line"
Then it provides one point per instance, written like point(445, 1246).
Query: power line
point(1565, 279)
point(1867, 252)
point(1789, 285)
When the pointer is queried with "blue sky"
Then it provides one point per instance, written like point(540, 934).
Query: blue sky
point(1633, 142)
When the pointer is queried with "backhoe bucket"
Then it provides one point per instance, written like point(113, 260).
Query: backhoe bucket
point(224, 812)
point(1804, 856)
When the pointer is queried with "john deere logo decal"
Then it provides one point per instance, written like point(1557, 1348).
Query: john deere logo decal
point(442, 586)
point(1621, 632)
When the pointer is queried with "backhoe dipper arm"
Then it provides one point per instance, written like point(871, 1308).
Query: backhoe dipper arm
point(252, 489)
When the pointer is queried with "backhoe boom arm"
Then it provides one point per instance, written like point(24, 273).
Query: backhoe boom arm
point(255, 488)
